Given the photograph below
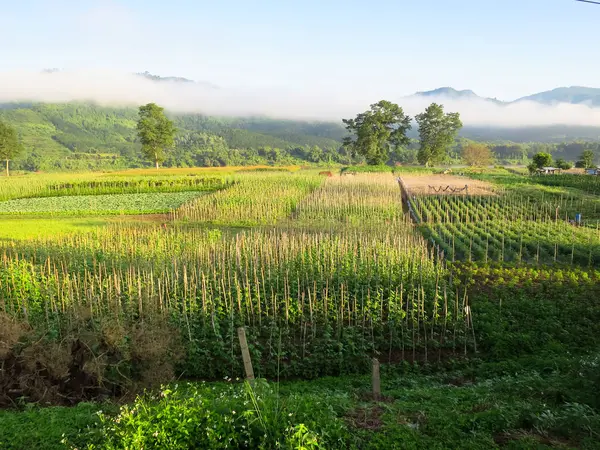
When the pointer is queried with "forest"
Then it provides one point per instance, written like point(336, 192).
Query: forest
point(83, 136)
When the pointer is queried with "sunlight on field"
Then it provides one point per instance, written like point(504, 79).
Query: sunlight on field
point(46, 227)
point(197, 170)
point(31, 228)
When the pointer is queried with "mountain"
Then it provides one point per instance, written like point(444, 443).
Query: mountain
point(183, 80)
point(575, 95)
point(451, 93)
point(159, 78)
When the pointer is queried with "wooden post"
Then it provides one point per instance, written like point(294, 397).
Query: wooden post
point(245, 353)
point(376, 380)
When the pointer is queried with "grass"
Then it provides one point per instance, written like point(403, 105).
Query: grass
point(27, 228)
point(455, 409)
point(44, 428)
point(89, 205)
point(32, 228)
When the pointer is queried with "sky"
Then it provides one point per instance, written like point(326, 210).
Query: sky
point(309, 60)
point(504, 49)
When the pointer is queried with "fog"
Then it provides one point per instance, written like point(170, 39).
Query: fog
point(306, 103)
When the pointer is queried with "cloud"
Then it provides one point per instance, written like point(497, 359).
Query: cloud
point(117, 89)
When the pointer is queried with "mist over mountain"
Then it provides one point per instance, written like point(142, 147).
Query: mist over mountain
point(181, 95)
point(61, 114)
point(453, 94)
point(575, 95)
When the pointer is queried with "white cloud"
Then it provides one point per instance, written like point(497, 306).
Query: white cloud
point(117, 89)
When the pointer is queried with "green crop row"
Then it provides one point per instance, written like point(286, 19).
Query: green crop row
point(508, 228)
point(98, 204)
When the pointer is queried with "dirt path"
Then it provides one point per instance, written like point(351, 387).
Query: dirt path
point(419, 184)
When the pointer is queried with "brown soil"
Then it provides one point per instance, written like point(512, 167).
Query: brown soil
point(504, 439)
point(420, 185)
point(366, 418)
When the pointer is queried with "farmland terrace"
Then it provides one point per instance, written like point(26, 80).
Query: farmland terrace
point(483, 309)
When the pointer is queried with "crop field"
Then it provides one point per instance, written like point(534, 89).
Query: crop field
point(421, 184)
point(101, 204)
point(507, 229)
point(465, 300)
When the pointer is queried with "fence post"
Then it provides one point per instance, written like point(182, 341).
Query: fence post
point(376, 380)
point(245, 353)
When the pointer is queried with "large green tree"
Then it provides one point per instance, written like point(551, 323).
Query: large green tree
point(542, 159)
point(9, 144)
point(587, 159)
point(377, 131)
point(156, 132)
point(437, 132)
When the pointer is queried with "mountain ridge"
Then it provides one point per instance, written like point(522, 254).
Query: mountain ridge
point(574, 95)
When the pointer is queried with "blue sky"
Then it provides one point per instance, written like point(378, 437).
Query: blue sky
point(503, 49)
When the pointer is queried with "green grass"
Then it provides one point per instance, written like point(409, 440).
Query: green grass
point(54, 227)
point(99, 204)
point(26, 228)
point(461, 409)
point(44, 428)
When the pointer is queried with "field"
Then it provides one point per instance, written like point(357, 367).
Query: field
point(483, 308)
point(430, 184)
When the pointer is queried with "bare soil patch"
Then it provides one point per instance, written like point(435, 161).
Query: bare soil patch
point(420, 185)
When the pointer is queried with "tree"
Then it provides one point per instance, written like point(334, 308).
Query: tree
point(437, 132)
point(562, 164)
point(9, 144)
point(542, 159)
point(156, 132)
point(475, 154)
point(587, 159)
point(377, 131)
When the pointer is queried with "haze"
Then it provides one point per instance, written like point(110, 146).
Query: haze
point(114, 89)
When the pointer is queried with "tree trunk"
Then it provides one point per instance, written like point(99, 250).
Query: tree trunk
point(7, 173)
point(156, 164)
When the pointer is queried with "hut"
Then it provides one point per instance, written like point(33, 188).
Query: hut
point(594, 171)
point(548, 171)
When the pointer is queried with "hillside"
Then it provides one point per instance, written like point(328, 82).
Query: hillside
point(574, 95)
point(88, 136)
point(96, 136)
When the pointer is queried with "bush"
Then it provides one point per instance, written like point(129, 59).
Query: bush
point(244, 416)
point(367, 169)
point(562, 164)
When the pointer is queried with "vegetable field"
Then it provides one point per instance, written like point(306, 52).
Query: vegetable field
point(512, 229)
point(115, 283)
point(100, 204)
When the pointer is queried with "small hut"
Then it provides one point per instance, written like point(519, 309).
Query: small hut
point(595, 171)
point(548, 171)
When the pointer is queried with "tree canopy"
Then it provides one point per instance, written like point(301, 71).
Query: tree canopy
point(9, 144)
point(562, 164)
point(542, 159)
point(156, 132)
point(376, 132)
point(476, 154)
point(587, 159)
point(437, 132)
